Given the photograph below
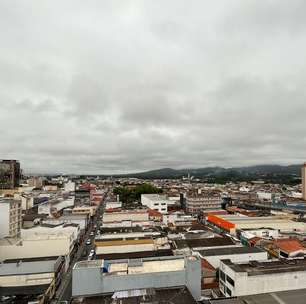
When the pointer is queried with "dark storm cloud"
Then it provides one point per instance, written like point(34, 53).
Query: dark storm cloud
point(121, 86)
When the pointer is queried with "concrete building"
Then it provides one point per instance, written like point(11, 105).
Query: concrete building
point(234, 223)
point(236, 254)
point(69, 186)
point(39, 246)
point(53, 207)
point(304, 181)
point(100, 277)
point(10, 218)
point(201, 203)
point(241, 279)
point(90, 210)
point(156, 202)
point(80, 219)
point(126, 218)
point(9, 174)
point(27, 277)
point(36, 182)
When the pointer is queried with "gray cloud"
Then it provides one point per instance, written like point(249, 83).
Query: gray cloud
point(113, 86)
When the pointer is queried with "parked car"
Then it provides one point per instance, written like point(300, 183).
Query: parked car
point(92, 233)
point(88, 242)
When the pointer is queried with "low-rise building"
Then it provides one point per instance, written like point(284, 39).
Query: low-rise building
point(254, 277)
point(30, 277)
point(100, 277)
point(156, 202)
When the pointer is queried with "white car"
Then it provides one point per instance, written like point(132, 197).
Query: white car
point(88, 242)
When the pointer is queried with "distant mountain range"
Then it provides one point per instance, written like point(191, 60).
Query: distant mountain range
point(219, 172)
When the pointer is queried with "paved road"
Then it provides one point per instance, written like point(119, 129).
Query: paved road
point(64, 291)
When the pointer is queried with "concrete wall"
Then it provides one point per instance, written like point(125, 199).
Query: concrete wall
point(4, 219)
point(88, 281)
point(125, 248)
point(245, 257)
point(36, 248)
point(122, 216)
point(26, 279)
point(249, 285)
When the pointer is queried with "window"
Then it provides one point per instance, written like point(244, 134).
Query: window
point(222, 275)
point(156, 204)
point(228, 291)
point(230, 280)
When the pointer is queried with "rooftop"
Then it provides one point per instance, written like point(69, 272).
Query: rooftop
point(229, 250)
point(142, 296)
point(136, 266)
point(282, 297)
point(22, 267)
point(204, 242)
point(254, 268)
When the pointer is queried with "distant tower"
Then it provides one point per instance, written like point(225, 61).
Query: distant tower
point(304, 181)
point(9, 174)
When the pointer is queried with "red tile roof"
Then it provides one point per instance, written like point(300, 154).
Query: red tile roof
point(289, 245)
point(153, 212)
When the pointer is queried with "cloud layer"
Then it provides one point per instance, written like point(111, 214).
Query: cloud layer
point(121, 86)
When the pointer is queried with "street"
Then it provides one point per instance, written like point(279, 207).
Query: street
point(64, 291)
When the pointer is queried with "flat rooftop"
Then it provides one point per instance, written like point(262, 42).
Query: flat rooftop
point(254, 268)
point(136, 266)
point(229, 251)
point(203, 242)
point(140, 296)
point(22, 268)
point(282, 297)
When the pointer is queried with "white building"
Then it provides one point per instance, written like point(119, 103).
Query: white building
point(304, 181)
point(236, 254)
point(104, 277)
point(240, 279)
point(156, 202)
point(69, 186)
point(29, 277)
point(52, 207)
point(10, 218)
point(39, 246)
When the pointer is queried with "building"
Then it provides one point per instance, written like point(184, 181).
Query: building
point(202, 203)
point(236, 254)
point(9, 174)
point(282, 297)
point(126, 218)
point(100, 277)
point(241, 279)
point(36, 182)
point(40, 245)
point(178, 295)
point(10, 218)
point(304, 181)
point(29, 277)
point(235, 223)
point(156, 202)
point(90, 210)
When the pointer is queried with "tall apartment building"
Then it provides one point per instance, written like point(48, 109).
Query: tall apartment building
point(304, 181)
point(204, 202)
point(10, 218)
point(9, 174)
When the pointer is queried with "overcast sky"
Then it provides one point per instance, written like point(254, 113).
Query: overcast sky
point(122, 86)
